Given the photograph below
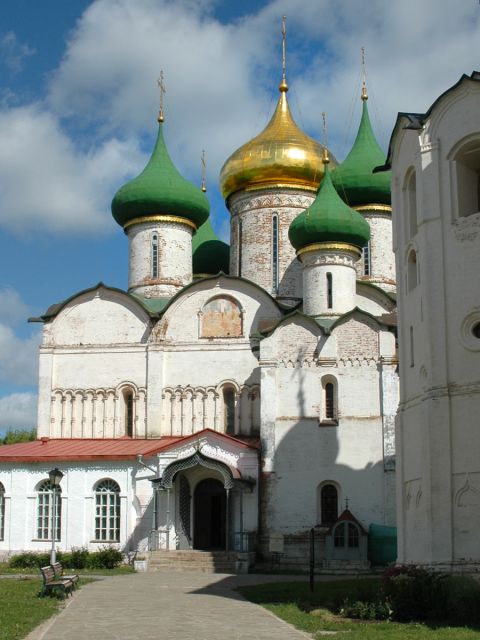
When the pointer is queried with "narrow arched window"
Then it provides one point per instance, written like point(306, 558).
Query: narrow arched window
point(411, 202)
point(329, 291)
point(107, 511)
point(45, 501)
point(239, 245)
point(2, 511)
point(329, 401)
point(366, 259)
point(128, 398)
point(229, 409)
point(412, 270)
point(154, 255)
point(275, 253)
point(329, 410)
point(328, 504)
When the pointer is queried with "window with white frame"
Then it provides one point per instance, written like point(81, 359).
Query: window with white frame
point(2, 511)
point(107, 511)
point(45, 502)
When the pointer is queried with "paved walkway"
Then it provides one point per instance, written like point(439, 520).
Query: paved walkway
point(170, 606)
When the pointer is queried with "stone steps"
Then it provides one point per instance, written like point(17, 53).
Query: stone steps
point(203, 561)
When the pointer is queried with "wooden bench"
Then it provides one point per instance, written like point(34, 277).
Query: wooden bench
point(59, 574)
point(50, 582)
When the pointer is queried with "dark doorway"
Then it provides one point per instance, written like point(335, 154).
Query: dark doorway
point(209, 515)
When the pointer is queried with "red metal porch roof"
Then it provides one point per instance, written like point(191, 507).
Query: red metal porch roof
point(53, 449)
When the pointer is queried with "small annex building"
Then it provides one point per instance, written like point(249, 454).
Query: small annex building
point(234, 396)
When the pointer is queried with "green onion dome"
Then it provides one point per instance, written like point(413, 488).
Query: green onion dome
point(160, 190)
point(209, 254)
point(354, 178)
point(328, 219)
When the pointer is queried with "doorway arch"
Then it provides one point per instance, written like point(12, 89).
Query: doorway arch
point(210, 514)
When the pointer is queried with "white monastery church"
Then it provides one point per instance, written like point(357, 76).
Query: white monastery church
point(233, 397)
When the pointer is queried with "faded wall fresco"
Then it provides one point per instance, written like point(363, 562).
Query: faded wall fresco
point(221, 318)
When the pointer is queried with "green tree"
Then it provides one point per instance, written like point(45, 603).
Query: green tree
point(13, 436)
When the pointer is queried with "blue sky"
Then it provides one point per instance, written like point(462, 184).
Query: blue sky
point(78, 103)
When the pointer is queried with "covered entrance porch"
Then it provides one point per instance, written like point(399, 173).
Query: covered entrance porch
point(206, 496)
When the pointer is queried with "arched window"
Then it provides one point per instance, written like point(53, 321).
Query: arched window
point(329, 291)
point(467, 163)
point(107, 511)
point(44, 511)
point(229, 409)
point(411, 202)
point(239, 247)
point(155, 255)
point(2, 511)
point(128, 400)
point(328, 504)
point(346, 534)
point(274, 253)
point(412, 270)
point(329, 412)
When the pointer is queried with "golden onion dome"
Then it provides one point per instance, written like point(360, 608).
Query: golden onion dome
point(280, 156)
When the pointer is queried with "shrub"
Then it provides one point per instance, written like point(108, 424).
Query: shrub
point(361, 610)
point(29, 560)
point(78, 558)
point(418, 594)
point(105, 558)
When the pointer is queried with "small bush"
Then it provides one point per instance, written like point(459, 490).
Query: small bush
point(360, 610)
point(105, 558)
point(78, 558)
point(29, 560)
point(416, 594)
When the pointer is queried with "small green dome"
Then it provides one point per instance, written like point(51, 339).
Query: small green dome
point(209, 254)
point(328, 219)
point(160, 190)
point(354, 178)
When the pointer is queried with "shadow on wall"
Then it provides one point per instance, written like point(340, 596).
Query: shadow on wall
point(323, 446)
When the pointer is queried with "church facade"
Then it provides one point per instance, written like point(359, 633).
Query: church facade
point(232, 397)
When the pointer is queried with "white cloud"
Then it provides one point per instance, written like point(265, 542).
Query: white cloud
point(13, 52)
point(18, 411)
point(64, 159)
point(14, 309)
point(50, 185)
point(18, 357)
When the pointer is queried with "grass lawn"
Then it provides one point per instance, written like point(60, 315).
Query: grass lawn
point(293, 602)
point(21, 610)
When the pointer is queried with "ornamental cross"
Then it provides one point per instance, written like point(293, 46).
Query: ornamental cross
point(284, 46)
point(346, 502)
point(204, 171)
point(364, 76)
point(163, 91)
